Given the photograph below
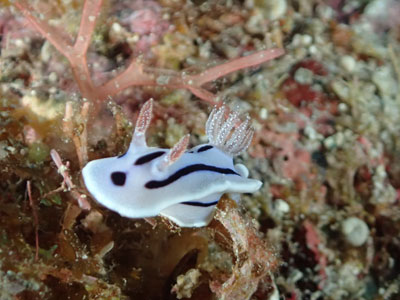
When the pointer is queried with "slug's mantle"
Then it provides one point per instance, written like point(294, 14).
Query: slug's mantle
point(182, 185)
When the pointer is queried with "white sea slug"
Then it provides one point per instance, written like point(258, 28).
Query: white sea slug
point(182, 185)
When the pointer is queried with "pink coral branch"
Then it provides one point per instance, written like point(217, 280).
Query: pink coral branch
point(135, 74)
point(56, 38)
point(236, 64)
point(78, 61)
point(90, 13)
point(75, 53)
point(204, 95)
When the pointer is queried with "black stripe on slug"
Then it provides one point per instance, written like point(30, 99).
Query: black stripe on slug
point(123, 154)
point(155, 184)
point(205, 148)
point(148, 158)
point(200, 204)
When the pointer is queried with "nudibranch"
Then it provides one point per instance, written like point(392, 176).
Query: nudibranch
point(179, 184)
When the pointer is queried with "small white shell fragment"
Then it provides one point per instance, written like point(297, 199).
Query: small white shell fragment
point(341, 89)
point(116, 27)
point(348, 63)
point(179, 184)
point(343, 107)
point(295, 275)
point(263, 113)
point(281, 206)
point(377, 10)
point(186, 284)
point(301, 40)
point(384, 80)
point(275, 8)
point(312, 134)
point(304, 76)
point(46, 109)
point(275, 293)
point(355, 231)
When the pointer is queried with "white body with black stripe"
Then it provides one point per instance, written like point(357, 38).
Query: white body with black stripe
point(181, 185)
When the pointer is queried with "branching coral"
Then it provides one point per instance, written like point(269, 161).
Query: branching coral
point(136, 74)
